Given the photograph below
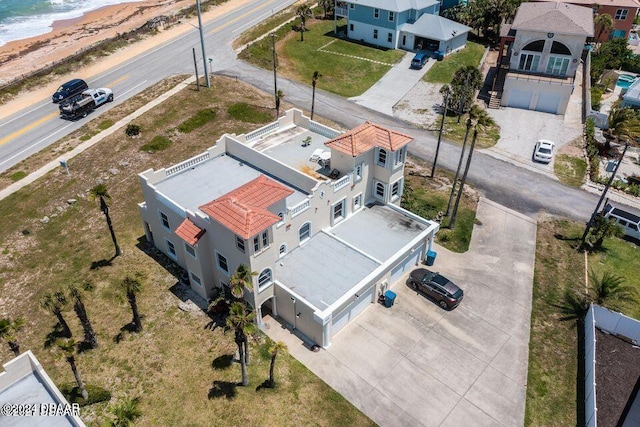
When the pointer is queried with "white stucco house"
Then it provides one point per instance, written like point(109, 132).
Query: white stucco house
point(402, 24)
point(313, 211)
point(541, 51)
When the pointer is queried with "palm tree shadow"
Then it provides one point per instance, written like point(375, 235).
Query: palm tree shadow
point(84, 346)
point(96, 265)
point(128, 328)
point(55, 334)
point(563, 237)
point(223, 389)
point(266, 384)
point(222, 362)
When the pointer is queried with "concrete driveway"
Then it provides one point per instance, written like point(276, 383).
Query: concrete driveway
point(416, 364)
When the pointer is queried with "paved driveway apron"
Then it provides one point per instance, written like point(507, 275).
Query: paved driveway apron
point(415, 364)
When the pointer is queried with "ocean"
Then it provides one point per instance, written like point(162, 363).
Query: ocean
point(22, 19)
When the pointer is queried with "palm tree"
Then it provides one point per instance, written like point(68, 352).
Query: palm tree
point(624, 125)
point(68, 346)
point(76, 294)
point(132, 286)
point(601, 229)
point(7, 328)
point(303, 12)
point(466, 80)
point(604, 23)
point(241, 321)
point(240, 281)
point(327, 6)
point(314, 80)
point(100, 192)
point(125, 412)
point(608, 290)
point(275, 348)
point(55, 302)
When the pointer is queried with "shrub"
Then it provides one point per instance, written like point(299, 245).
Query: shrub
point(158, 143)
point(105, 124)
point(247, 113)
point(96, 394)
point(132, 130)
point(200, 119)
point(596, 97)
point(17, 176)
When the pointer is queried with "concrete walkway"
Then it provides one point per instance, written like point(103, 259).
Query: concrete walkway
point(393, 86)
point(416, 365)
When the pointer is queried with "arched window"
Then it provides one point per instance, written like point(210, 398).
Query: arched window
point(305, 232)
point(380, 190)
point(382, 157)
point(535, 46)
point(264, 278)
point(560, 49)
point(283, 249)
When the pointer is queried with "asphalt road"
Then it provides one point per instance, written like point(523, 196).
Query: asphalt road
point(27, 132)
point(527, 192)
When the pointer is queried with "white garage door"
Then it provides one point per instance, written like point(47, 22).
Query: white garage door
point(407, 264)
point(520, 98)
point(548, 102)
point(350, 313)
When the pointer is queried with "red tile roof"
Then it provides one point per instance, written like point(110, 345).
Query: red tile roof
point(244, 210)
point(189, 232)
point(367, 136)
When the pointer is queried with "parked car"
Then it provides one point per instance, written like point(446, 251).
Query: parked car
point(544, 151)
point(419, 60)
point(442, 290)
point(69, 90)
point(629, 219)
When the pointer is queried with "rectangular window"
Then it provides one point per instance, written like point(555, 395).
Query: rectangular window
point(357, 202)
point(375, 34)
point(265, 239)
point(389, 37)
point(171, 249)
point(557, 66)
point(195, 279)
point(351, 25)
point(165, 221)
point(391, 16)
point(190, 250)
point(621, 14)
point(222, 263)
point(395, 189)
point(376, 13)
point(352, 6)
point(338, 211)
point(357, 172)
point(528, 62)
point(240, 243)
point(399, 156)
point(256, 244)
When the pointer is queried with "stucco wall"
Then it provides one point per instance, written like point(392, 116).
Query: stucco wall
point(574, 43)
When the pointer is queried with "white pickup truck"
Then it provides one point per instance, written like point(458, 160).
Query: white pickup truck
point(86, 102)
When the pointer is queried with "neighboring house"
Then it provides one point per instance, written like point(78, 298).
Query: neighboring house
point(26, 387)
point(622, 11)
point(631, 97)
point(611, 369)
point(541, 51)
point(403, 24)
point(315, 213)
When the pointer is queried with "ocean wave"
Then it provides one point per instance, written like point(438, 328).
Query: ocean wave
point(22, 20)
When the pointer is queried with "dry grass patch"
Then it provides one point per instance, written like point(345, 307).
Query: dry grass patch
point(170, 365)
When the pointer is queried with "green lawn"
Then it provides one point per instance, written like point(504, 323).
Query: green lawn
point(570, 170)
point(454, 132)
point(320, 51)
point(553, 345)
point(442, 71)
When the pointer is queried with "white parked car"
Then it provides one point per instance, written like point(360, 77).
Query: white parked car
point(544, 151)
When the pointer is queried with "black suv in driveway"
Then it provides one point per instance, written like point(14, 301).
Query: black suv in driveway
point(436, 286)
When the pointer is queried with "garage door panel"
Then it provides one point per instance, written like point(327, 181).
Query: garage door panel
point(352, 311)
point(520, 98)
point(548, 102)
point(407, 264)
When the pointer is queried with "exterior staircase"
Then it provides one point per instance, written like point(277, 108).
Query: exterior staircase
point(498, 86)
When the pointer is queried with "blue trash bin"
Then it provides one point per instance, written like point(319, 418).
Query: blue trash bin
point(389, 298)
point(431, 257)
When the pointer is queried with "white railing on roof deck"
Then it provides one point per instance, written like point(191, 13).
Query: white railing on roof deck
point(261, 131)
point(299, 208)
point(323, 130)
point(187, 164)
point(341, 11)
point(342, 182)
point(168, 203)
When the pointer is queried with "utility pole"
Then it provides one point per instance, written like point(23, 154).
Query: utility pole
point(444, 114)
point(195, 65)
point(275, 76)
point(204, 55)
point(455, 180)
point(604, 193)
point(452, 222)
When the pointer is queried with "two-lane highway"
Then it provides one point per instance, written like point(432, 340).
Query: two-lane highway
point(27, 132)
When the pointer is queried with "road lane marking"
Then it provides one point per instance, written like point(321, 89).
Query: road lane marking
point(233, 21)
point(36, 144)
point(28, 127)
point(116, 81)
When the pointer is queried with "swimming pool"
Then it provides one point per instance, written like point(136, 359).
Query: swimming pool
point(625, 80)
